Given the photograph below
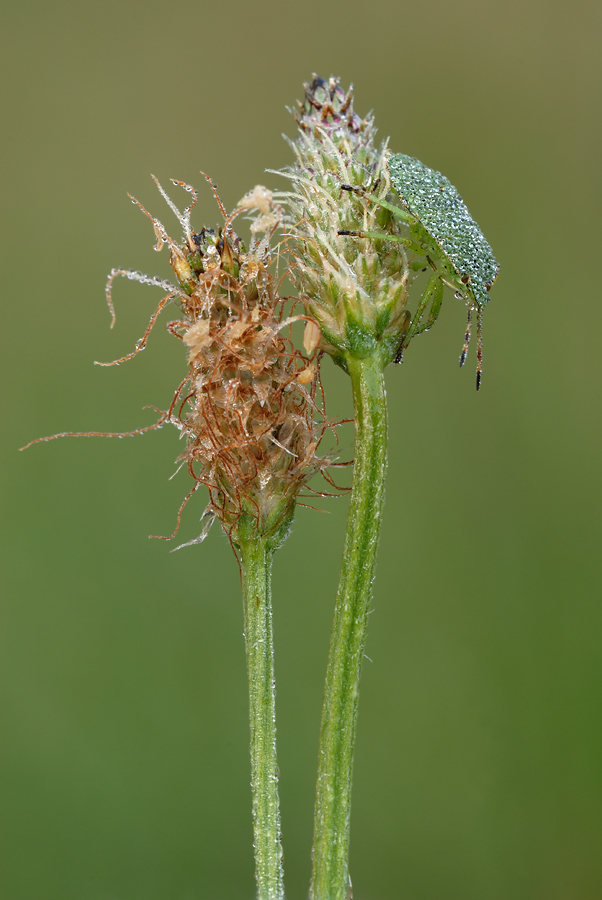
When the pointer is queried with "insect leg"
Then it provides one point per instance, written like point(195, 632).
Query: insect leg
point(382, 236)
point(437, 299)
point(397, 211)
point(433, 291)
point(433, 294)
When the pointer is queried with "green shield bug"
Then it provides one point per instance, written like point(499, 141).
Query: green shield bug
point(440, 229)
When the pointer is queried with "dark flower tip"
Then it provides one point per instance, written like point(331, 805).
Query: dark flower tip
point(326, 104)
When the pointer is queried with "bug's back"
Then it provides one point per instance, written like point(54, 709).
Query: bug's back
point(438, 206)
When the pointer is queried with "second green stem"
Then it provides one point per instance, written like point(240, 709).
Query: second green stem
point(330, 874)
point(256, 563)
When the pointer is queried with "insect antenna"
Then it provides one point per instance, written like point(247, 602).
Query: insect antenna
point(479, 346)
point(466, 337)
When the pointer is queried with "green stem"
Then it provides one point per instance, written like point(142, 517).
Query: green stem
point(330, 875)
point(256, 565)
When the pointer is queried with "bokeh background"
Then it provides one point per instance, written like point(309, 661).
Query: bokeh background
point(124, 762)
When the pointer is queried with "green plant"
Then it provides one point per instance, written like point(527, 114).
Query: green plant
point(250, 412)
point(362, 227)
point(357, 255)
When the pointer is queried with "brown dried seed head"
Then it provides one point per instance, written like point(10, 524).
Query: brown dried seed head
point(249, 406)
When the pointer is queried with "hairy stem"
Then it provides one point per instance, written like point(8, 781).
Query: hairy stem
point(256, 566)
point(330, 875)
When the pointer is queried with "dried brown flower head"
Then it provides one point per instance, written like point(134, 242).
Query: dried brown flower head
point(251, 406)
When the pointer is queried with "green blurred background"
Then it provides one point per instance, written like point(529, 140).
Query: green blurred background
point(124, 714)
